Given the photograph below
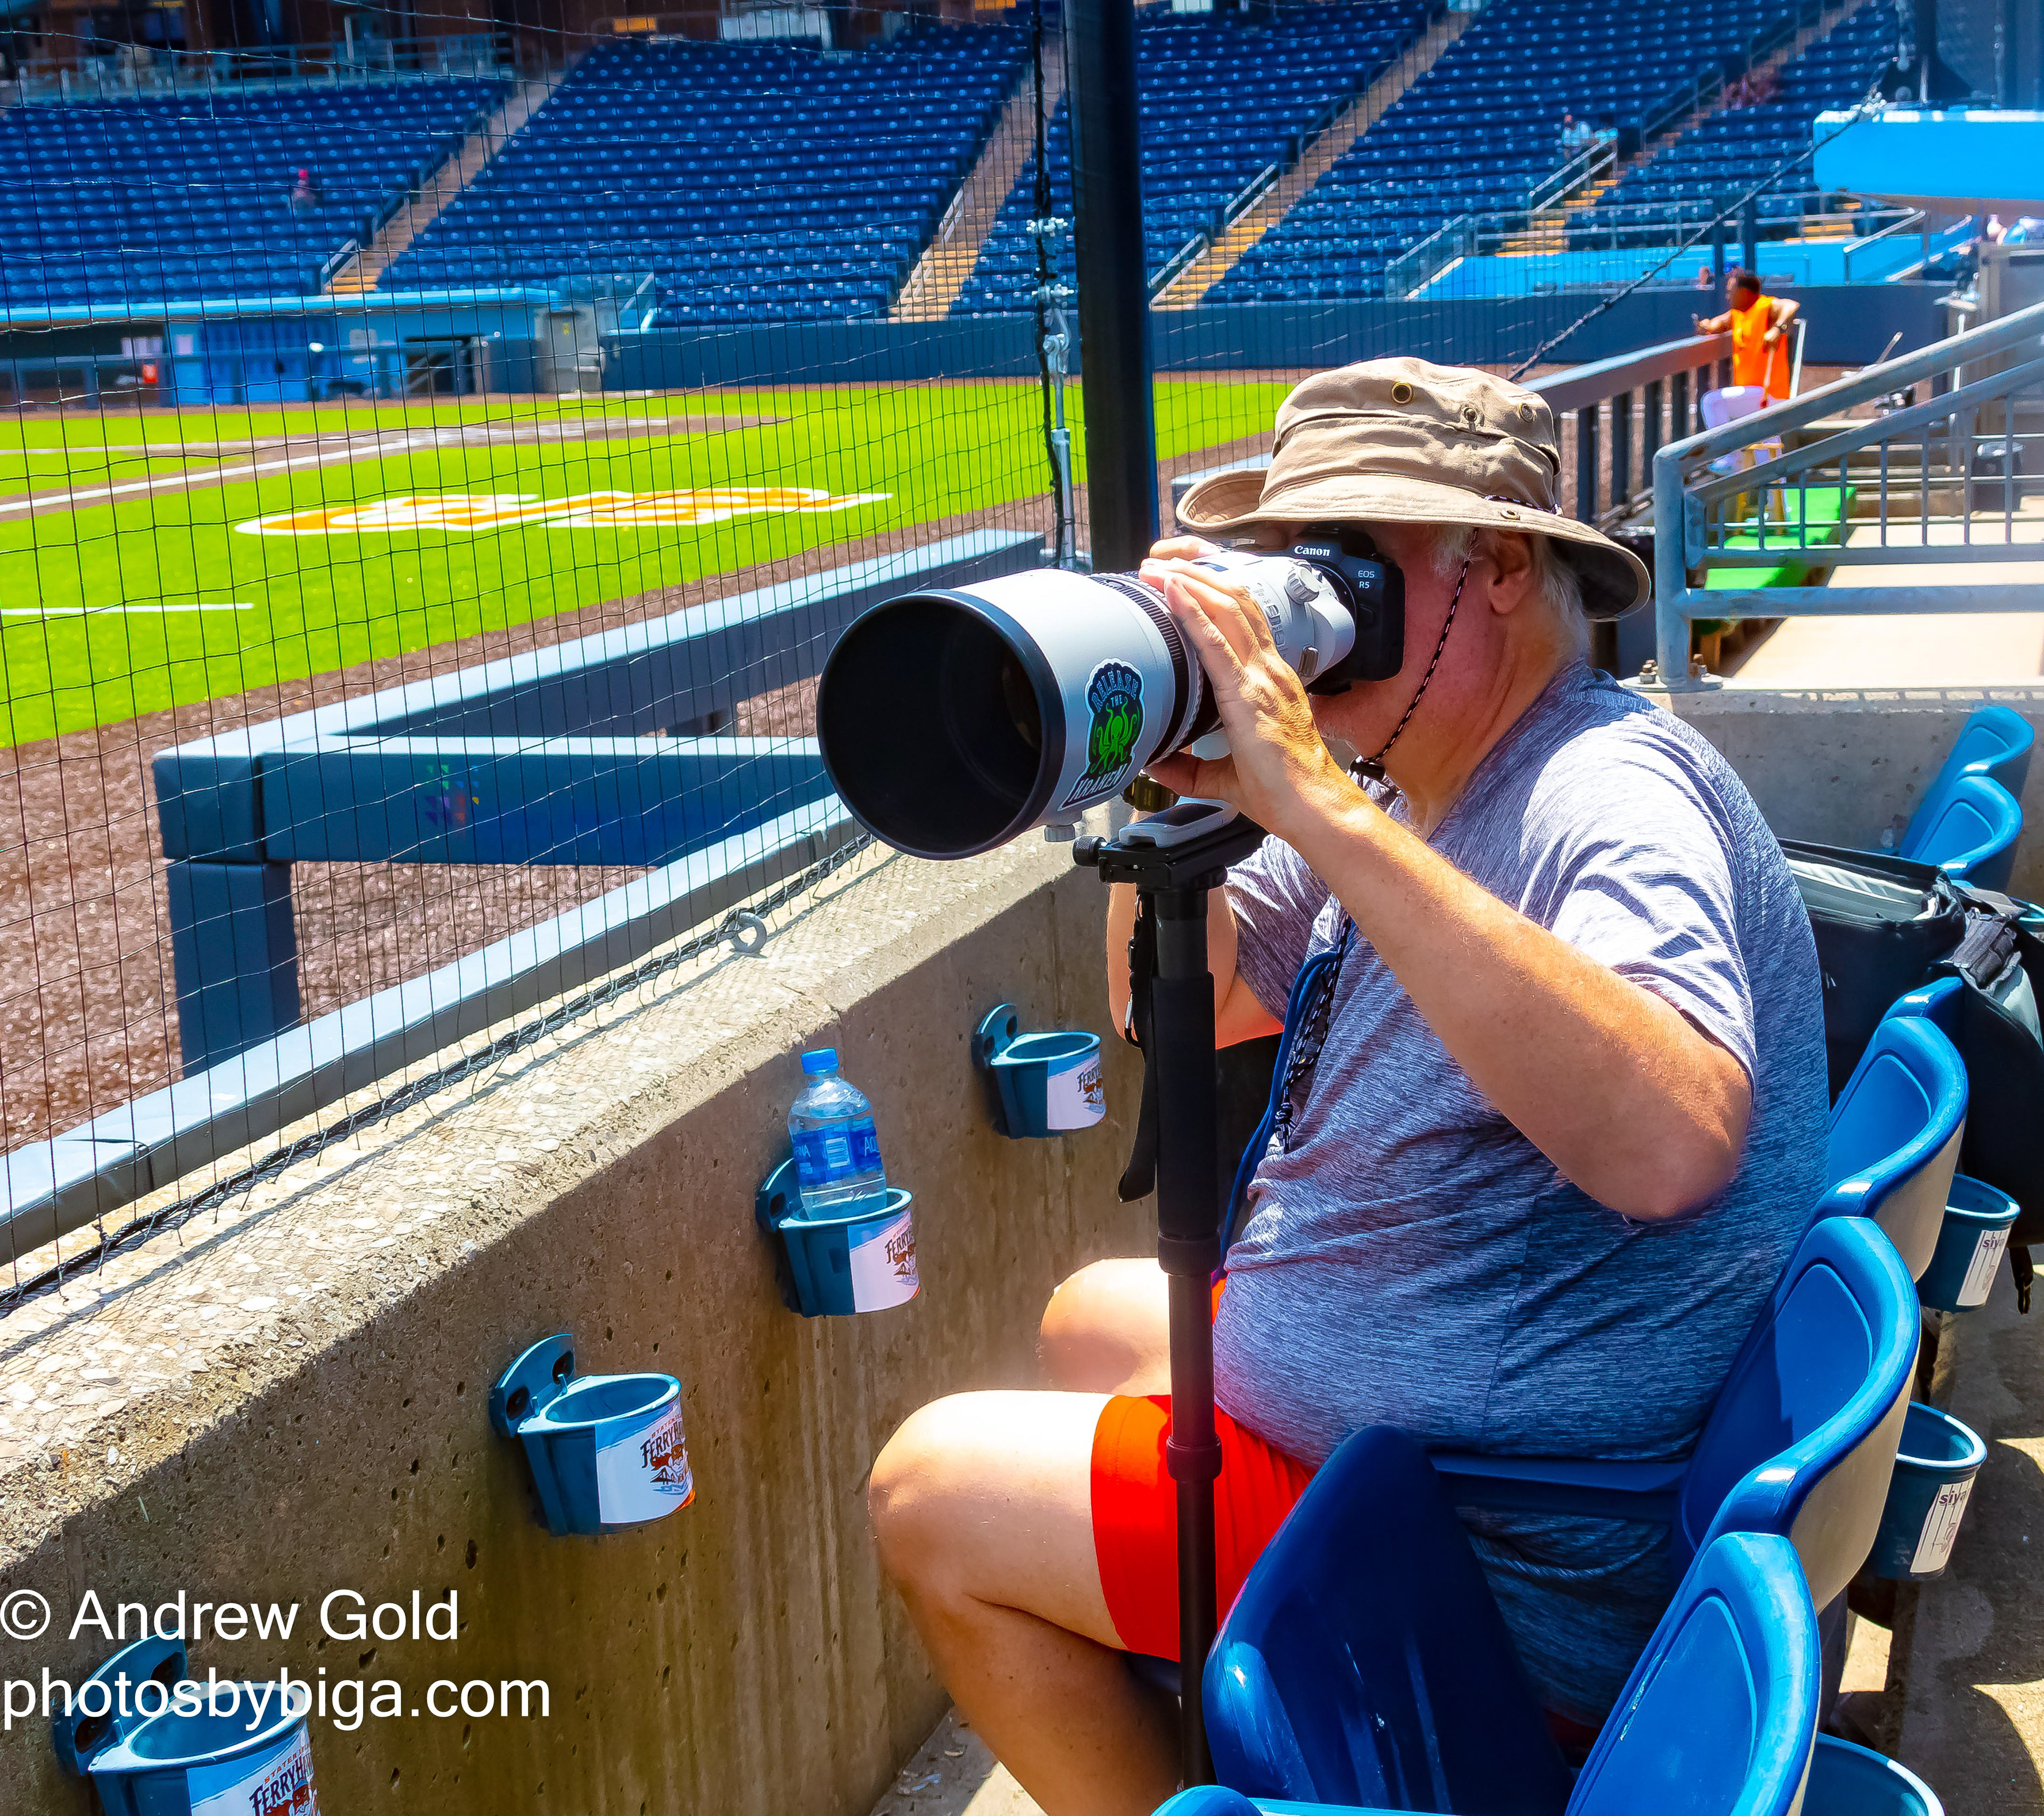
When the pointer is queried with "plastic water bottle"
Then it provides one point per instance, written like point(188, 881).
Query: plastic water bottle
point(837, 1155)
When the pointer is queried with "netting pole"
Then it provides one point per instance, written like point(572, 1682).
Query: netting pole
point(1054, 339)
point(1109, 256)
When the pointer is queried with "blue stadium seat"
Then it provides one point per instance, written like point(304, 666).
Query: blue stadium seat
point(1720, 1718)
point(1895, 1135)
point(1336, 1677)
point(1994, 742)
point(1972, 836)
point(114, 180)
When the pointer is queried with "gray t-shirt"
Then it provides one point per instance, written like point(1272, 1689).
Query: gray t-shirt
point(1412, 1260)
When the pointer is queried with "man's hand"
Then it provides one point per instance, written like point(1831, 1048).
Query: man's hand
point(1279, 769)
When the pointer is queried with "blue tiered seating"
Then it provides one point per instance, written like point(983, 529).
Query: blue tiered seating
point(1483, 124)
point(756, 182)
point(1732, 150)
point(146, 200)
point(1222, 99)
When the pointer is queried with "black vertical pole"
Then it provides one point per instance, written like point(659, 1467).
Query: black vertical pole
point(1189, 1251)
point(1749, 231)
point(1718, 252)
point(1113, 279)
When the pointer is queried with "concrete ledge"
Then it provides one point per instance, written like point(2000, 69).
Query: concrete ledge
point(1845, 767)
point(286, 1397)
point(290, 1400)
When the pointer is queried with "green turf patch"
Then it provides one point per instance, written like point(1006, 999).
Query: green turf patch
point(1827, 511)
point(86, 638)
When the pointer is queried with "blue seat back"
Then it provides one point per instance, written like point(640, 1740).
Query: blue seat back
point(1994, 742)
point(1719, 1718)
point(1972, 835)
point(1895, 1136)
point(1720, 1713)
point(1365, 1660)
point(1801, 1440)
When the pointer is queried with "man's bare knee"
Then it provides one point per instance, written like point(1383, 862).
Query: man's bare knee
point(912, 1495)
point(1104, 1329)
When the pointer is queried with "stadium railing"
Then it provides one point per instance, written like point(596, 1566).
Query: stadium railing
point(167, 72)
point(1939, 483)
point(1642, 398)
point(1412, 271)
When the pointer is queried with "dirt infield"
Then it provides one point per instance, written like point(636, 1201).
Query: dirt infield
point(88, 1014)
point(87, 998)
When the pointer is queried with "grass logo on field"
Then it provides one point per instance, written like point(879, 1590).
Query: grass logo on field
point(1114, 697)
point(471, 513)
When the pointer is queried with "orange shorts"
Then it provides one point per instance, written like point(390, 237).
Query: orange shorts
point(1135, 1513)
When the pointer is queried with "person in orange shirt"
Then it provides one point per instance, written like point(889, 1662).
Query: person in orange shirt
point(1759, 325)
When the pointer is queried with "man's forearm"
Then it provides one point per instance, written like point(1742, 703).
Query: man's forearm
point(1628, 1099)
point(1238, 1015)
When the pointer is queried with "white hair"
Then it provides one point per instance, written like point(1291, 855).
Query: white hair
point(1554, 580)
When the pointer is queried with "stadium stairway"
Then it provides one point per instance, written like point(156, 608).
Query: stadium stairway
point(1314, 162)
point(1483, 127)
point(933, 286)
point(1727, 148)
point(443, 188)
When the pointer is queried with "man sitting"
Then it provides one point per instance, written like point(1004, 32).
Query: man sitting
point(1550, 1135)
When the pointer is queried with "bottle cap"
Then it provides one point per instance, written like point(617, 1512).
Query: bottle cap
point(824, 1059)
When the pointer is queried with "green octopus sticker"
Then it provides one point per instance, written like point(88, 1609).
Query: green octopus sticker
point(1114, 696)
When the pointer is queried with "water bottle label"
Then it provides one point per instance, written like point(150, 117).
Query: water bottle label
point(824, 1155)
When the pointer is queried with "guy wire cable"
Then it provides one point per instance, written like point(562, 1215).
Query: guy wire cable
point(1810, 150)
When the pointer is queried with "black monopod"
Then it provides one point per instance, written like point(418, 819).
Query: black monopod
point(1176, 860)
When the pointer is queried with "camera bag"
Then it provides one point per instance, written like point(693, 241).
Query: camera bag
point(1885, 926)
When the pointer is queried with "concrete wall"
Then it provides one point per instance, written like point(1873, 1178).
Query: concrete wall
point(286, 1396)
point(292, 1399)
point(1849, 323)
point(1844, 767)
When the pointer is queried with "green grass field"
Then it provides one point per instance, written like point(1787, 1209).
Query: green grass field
point(305, 603)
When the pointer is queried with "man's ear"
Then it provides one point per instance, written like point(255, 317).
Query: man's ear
point(1509, 556)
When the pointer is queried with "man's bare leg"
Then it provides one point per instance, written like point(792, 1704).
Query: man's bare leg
point(1106, 1330)
point(982, 1504)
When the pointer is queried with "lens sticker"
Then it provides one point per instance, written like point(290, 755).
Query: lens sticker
point(1114, 698)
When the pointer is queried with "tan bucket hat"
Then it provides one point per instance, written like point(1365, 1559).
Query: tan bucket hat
point(1403, 441)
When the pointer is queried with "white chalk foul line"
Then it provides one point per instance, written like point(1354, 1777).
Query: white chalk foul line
point(96, 611)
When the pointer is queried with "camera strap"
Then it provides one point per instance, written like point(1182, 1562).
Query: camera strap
point(1139, 1177)
point(1373, 767)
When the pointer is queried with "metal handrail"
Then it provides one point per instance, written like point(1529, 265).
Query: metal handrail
point(1408, 273)
point(1682, 507)
point(45, 81)
point(1571, 174)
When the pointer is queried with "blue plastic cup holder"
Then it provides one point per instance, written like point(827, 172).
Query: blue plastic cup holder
point(198, 1756)
point(1038, 1084)
point(1846, 1780)
point(1927, 1496)
point(607, 1452)
point(1971, 1243)
point(862, 1259)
